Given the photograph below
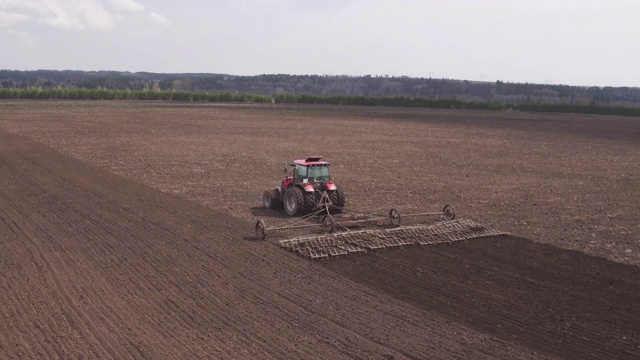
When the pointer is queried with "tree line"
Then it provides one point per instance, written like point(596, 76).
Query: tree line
point(396, 101)
point(324, 85)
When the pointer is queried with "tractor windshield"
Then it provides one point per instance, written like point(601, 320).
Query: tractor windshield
point(319, 174)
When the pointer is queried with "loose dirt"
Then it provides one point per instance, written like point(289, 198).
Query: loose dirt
point(558, 301)
point(564, 179)
point(96, 266)
point(136, 243)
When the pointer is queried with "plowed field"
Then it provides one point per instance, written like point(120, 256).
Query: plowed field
point(125, 233)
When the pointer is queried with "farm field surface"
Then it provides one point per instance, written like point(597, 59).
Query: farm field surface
point(125, 232)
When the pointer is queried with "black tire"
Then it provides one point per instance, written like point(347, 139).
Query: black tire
point(309, 202)
point(394, 217)
point(278, 203)
point(261, 230)
point(328, 224)
point(338, 199)
point(271, 199)
point(448, 213)
point(294, 201)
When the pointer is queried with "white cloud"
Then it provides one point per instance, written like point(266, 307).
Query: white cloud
point(130, 6)
point(69, 14)
point(8, 19)
point(76, 15)
point(24, 38)
point(159, 19)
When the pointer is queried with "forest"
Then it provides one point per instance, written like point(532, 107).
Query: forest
point(319, 89)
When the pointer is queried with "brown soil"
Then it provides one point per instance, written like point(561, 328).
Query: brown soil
point(557, 301)
point(97, 265)
point(565, 179)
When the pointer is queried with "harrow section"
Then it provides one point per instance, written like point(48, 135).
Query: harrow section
point(343, 243)
point(329, 223)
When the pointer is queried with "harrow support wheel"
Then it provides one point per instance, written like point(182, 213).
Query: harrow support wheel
point(448, 213)
point(261, 230)
point(394, 217)
point(328, 224)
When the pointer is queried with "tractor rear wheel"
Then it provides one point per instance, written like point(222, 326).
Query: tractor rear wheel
point(271, 199)
point(337, 199)
point(309, 202)
point(294, 201)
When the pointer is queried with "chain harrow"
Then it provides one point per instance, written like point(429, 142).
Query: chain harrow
point(343, 243)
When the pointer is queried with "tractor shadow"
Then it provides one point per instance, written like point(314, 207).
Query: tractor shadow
point(261, 212)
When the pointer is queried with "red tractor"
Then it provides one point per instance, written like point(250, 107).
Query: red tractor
point(307, 187)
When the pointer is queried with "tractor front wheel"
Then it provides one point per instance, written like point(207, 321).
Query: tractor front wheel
point(271, 199)
point(294, 201)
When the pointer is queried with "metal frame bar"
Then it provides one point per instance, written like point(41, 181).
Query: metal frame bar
point(299, 223)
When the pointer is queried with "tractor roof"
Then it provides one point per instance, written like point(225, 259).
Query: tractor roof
point(311, 160)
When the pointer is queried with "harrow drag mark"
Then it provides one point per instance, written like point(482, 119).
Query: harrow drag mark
point(343, 243)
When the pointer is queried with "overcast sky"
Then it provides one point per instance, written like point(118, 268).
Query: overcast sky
point(573, 42)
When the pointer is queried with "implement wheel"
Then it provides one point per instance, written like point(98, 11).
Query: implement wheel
point(394, 217)
point(327, 224)
point(448, 213)
point(261, 230)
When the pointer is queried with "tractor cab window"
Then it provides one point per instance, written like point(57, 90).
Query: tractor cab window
point(299, 173)
point(319, 174)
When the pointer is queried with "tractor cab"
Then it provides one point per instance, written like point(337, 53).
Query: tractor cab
point(311, 173)
point(308, 171)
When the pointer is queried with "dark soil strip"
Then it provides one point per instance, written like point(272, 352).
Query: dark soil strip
point(552, 300)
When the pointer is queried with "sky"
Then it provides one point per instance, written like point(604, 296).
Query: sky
point(571, 42)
